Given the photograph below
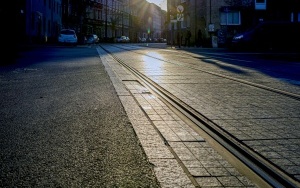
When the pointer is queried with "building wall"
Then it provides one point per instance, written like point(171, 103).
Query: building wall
point(164, 24)
point(106, 18)
point(43, 20)
point(203, 14)
point(155, 13)
point(40, 20)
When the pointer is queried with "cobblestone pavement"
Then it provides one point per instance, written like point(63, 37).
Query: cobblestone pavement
point(181, 157)
point(266, 122)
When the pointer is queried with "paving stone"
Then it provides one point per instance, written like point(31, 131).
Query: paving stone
point(263, 120)
point(170, 173)
point(208, 182)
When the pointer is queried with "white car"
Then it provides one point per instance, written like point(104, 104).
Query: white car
point(92, 39)
point(67, 36)
point(143, 40)
point(121, 39)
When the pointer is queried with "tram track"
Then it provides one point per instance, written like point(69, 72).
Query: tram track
point(270, 173)
point(274, 90)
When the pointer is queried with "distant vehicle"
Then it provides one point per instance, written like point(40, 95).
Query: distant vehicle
point(122, 39)
point(142, 39)
point(67, 36)
point(92, 39)
point(149, 39)
point(269, 36)
point(162, 40)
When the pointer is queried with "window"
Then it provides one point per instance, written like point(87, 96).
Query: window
point(49, 26)
point(230, 18)
point(260, 4)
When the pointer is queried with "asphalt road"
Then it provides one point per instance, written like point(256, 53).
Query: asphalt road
point(67, 121)
point(62, 124)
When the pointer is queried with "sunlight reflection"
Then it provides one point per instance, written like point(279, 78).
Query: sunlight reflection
point(155, 55)
point(152, 63)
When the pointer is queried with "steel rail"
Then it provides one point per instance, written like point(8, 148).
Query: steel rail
point(273, 175)
point(267, 88)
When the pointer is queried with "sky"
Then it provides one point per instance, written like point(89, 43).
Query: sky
point(161, 3)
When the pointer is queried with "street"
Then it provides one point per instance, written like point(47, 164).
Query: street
point(63, 126)
point(69, 118)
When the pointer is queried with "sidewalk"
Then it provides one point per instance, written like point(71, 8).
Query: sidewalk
point(60, 120)
point(276, 55)
point(180, 156)
point(262, 120)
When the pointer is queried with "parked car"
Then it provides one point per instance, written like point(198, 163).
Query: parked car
point(122, 39)
point(142, 39)
point(149, 39)
point(92, 39)
point(67, 36)
point(162, 40)
point(269, 36)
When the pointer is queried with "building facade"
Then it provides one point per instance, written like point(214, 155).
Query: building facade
point(221, 19)
point(43, 20)
point(113, 18)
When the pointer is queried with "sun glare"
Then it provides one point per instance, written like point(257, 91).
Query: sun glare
point(152, 63)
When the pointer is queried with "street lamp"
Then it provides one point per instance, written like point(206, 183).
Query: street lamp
point(180, 10)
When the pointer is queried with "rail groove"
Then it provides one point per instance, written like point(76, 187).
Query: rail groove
point(278, 91)
point(269, 172)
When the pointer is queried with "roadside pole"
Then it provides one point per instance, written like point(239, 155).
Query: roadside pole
point(180, 17)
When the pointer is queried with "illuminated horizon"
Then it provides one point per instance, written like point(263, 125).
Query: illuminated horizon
point(161, 3)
